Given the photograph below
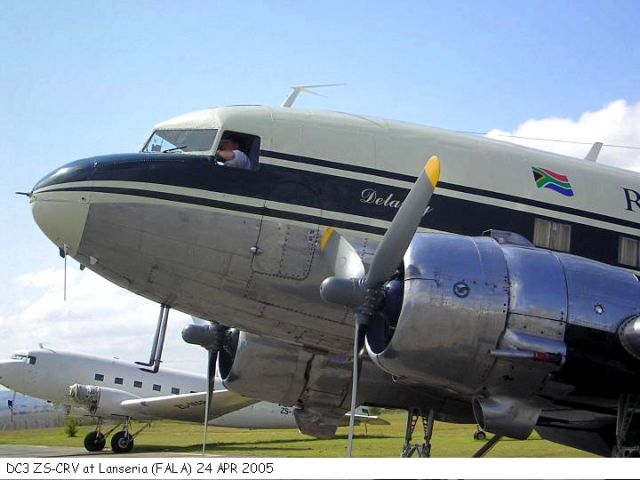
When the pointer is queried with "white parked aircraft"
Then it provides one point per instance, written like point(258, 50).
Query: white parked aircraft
point(114, 390)
point(511, 301)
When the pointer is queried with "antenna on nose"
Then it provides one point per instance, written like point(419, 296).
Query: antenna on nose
point(63, 253)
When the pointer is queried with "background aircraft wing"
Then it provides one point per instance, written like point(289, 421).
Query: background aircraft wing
point(187, 407)
point(368, 419)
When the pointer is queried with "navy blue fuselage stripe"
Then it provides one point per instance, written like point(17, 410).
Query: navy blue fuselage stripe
point(326, 192)
point(452, 186)
point(338, 165)
point(261, 211)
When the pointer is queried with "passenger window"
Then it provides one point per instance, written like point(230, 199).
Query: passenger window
point(247, 145)
point(628, 251)
point(156, 387)
point(552, 235)
point(175, 391)
point(98, 377)
point(137, 384)
point(118, 381)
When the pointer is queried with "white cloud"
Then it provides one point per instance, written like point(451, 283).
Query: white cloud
point(98, 318)
point(617, 123)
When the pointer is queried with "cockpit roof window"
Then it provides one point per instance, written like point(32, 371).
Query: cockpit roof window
point(180, 140)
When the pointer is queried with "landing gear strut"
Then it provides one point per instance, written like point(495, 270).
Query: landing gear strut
point(626, 409)
point(422, 450)
point(158, 341)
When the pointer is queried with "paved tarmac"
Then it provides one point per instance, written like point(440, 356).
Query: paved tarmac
point(39, 451)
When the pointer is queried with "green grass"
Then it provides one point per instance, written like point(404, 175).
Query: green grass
point(449, 440)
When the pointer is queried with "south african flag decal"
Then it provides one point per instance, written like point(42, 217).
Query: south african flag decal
point(547, 179)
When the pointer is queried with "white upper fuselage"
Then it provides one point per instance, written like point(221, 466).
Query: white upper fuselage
point(242, 247)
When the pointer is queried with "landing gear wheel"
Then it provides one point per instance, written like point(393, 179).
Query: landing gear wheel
point(121, 442)
point(479, 435)
point(94, 441)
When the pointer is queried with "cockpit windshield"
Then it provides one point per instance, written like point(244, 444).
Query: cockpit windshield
point(165, 141)
point(30, 359)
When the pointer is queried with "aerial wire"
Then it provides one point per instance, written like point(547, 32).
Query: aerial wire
point(558, 140)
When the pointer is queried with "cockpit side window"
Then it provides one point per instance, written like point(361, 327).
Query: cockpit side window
point(32, 360)
point(181, 141)
point(248, 146)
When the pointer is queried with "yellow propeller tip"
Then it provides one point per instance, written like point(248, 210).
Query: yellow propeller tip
point(432, 170)
point(325, 238)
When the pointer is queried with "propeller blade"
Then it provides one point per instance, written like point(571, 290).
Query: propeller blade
point(211, 379)
point(340, 255)
point(404, 225)
point(358, 344)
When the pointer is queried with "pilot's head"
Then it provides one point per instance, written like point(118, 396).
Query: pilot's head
point(229, 144)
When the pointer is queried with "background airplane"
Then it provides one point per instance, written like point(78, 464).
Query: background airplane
point(117, 391)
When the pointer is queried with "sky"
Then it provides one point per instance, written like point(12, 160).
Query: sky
point(79, 79)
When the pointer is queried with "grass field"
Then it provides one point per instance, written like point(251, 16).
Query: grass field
point(377, 441)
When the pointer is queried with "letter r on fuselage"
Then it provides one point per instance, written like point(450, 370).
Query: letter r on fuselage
point(633, 198)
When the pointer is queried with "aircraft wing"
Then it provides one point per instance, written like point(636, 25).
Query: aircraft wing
point(187, 407)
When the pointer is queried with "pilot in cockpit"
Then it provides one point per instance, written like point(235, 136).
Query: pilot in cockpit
point(230, 154)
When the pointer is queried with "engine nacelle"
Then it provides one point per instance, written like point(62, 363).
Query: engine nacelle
point(492, 321)
point(100, 401)
point(318, 385)
point(277, 372)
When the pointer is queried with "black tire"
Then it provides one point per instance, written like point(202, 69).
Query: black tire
point(121, 442)
point(479, 435)
point(94, 442)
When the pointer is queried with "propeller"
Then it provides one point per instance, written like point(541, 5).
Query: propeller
point(210, 337)
point(364, 292)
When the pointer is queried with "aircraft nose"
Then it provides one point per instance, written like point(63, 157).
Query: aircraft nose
point(12, 374)
point(59, 208)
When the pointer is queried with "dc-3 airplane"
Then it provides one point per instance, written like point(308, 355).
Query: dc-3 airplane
point(509, 297)
point(117, 391)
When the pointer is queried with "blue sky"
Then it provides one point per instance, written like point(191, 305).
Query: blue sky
point(84, 78)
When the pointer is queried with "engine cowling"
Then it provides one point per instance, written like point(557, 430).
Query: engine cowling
point(100, 401)
point(491, 322)
point(317, 385)
point(277, 372)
